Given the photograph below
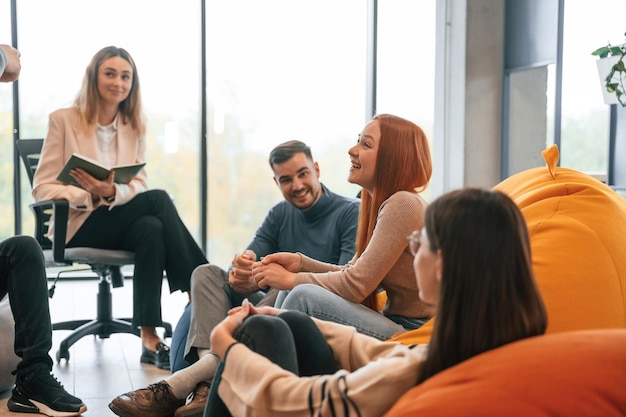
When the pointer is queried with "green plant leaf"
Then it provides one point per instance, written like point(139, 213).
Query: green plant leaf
point(602, 52)
point(619, 69)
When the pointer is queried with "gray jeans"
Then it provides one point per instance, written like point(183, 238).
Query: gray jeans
point(211, 298)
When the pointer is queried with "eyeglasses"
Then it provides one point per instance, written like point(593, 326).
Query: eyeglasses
point(415, 240)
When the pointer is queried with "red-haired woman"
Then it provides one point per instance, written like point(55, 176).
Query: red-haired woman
point(391, 162)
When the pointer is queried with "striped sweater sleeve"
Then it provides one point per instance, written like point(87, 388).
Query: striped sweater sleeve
point(373, 376)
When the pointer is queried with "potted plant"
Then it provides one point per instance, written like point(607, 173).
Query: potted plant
point(612, 72)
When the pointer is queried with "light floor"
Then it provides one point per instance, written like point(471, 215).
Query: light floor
point(101, 369)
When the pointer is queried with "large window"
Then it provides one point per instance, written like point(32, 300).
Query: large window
point(276, 70)
point(280, 70)
point(406, 62)
point(585, 117)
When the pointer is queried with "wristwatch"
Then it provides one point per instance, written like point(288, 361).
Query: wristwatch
point(109, 199)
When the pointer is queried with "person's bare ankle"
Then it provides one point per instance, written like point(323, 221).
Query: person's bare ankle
point(149, 338)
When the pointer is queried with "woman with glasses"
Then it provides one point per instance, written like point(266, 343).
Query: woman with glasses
point(471, 260)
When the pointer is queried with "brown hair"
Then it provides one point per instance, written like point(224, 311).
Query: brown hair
point(286, 150)
point(403, 163)
point(488, 295)
point(88, 99)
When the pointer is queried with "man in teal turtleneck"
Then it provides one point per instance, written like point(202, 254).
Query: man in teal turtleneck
point(311, 219)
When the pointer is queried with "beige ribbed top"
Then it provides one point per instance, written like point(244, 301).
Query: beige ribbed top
point(386, 262)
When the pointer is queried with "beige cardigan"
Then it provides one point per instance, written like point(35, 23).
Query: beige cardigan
point(386, 262)
point(65, 137)
point(373, 376)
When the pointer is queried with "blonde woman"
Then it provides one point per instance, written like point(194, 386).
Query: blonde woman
point(106, 123)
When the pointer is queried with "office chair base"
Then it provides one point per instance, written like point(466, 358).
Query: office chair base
point(81, 328)
point(102, 329)
point(103, 326)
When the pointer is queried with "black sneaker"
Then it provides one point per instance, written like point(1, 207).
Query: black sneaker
point(42, 393)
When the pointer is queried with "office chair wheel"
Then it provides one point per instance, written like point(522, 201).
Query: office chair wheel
point(63, 355)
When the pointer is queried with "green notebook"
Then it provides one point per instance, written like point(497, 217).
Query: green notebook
point(123, 173)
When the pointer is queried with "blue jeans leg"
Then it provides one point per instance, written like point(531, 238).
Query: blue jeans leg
point(325, 305)
point(179, 339)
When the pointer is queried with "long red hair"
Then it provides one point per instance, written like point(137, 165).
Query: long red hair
point(403, 163)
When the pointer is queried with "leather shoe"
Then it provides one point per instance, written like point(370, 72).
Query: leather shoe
point(157, 400)
point(160, 358)
point(196, 402)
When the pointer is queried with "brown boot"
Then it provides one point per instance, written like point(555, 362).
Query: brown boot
point(196, 402)
point(157, 400)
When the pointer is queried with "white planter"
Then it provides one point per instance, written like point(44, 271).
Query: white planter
point(604, 68)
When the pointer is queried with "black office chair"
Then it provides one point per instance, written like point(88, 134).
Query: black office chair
point(105, 263)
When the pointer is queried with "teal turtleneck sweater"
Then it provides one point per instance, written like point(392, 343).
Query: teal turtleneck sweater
point(326, 231)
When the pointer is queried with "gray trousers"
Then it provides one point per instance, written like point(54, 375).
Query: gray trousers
point(211, 298)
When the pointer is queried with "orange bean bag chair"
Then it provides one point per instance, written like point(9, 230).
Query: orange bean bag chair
point(578, 373)
point(577, 228)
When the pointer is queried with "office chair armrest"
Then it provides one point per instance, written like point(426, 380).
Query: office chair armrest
point(60, 212)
